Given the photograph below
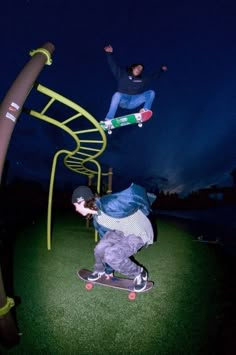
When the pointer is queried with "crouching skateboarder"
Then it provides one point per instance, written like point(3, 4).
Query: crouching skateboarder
point(124, 228)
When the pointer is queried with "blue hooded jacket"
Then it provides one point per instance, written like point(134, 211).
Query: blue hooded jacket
point(123, 204)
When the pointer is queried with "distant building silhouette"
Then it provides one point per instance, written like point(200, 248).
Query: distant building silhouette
point(204, 198)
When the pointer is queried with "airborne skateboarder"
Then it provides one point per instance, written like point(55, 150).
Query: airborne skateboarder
point(132, 89)
point(122, 223)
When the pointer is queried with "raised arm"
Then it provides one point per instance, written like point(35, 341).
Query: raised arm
point(157, 74)
point(115, 69)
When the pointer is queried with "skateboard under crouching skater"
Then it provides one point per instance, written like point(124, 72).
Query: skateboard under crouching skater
point(120, 283)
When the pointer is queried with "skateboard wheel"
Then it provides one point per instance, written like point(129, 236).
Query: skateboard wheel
point(109, 132)
point(89, 286)
point(140, 124)
point(132, 296)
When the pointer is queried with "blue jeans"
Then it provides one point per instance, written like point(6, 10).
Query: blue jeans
point(130, 102)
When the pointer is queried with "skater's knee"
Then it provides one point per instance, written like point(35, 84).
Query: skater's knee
point(112, 256)
point(116, 96)
point(151, 94)
point(99, 249)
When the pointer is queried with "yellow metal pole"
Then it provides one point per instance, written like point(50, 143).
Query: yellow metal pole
point(110, 173)
point(90, 178)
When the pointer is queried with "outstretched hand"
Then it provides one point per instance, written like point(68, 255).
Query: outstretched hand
point(164, 68)
point(108, 49)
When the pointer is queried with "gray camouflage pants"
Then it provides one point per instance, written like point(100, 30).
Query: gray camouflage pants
point(115, 249)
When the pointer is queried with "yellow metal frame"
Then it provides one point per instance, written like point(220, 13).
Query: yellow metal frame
point(90, 144)
point(6, 308)
point(44, 51)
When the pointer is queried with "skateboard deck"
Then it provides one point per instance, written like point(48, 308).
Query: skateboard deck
point(134, 118)
point(114, 282)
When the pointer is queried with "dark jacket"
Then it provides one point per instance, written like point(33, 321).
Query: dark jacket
point(127, 83)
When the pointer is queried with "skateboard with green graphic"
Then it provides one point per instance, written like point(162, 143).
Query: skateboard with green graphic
point(134, 118)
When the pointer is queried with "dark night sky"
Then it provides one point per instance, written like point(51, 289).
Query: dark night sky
point(190, 141)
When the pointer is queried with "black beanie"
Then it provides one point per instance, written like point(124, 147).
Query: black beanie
point(82, 193)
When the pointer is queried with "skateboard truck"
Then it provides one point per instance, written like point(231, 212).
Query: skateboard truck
point(108, 126)
point(139, 119)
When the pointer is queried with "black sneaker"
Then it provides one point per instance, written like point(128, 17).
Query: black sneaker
point(95, 275)
point(140, 281)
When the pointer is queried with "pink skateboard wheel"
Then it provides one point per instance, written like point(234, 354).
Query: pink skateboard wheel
point(89, 286)
point(132, 296)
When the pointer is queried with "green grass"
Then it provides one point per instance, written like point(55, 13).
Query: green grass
point(57, 315)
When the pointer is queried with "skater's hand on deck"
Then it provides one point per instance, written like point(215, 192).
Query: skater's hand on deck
point(108, 49)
